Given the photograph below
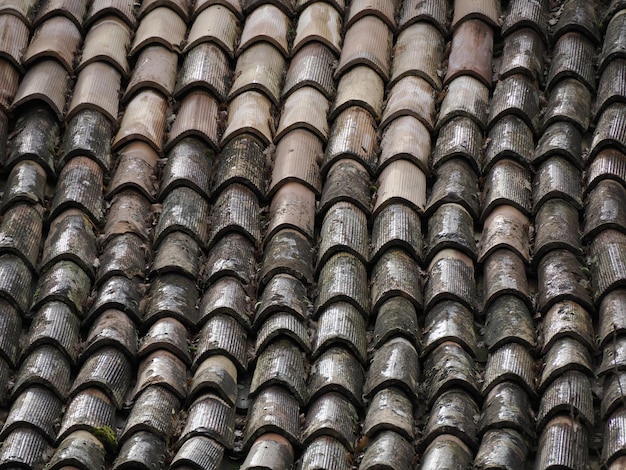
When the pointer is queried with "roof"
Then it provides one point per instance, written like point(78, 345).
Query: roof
point(324, 234)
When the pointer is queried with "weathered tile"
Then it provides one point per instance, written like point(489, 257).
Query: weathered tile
point(385, 10)
point(353, 135)
point(396, 225)
point(199, 452)
point(119, 293)
point(288, 251)
point(611, 88)
point(144, 120)
point(172, 295)
point(331, 415)
point(414, 11)
point(283, 293)
point(505, 227)
point(270, 450)
point(410, 96)
point(88, 410)
point(152, 411)
point(168, 334)
point(368, 41)
point(164, 369)
point(578, 16)
point(24, 447)
point(516, 95)
point(509, 137)
point(178, 253)
point(54, 324)
point(389, 410)
point(343, 277)
point(11, 323)
point(526, 14)
point(396, 317)
point(36, 407)
point(266, 23)
point(449, 321)
point(450, 276)
point(24, 10)
point(233, 5)
point(563, 442)
point(394, 364)
point(206, 66)
point(273, 410)
point(318, 22)
point(569, 392)
point(395, 273)
point(222, 335)
point(388, 450)
point(136, 168)
point(604, 208)
point(242, 160)
point(181, 7)
point(336, 370)
point(506, 406)
point(72, 9)
point(570, 100)
point(341, 324)
point(283, 325)
point(614, 445)
point(218, 24)
point(197, 116)
point(449, 366)
point(401, 181)
point(189, 164)
point(235, 209)
point(459, 137)
point(572, 57)
point(607, 262)
point(501, 448)
point(124, 9)
point(560, 138)
point(511, 362)
point(185, 210)
point(611, 323)
point(451, 226)
point(508, 320)
point(346, 180)
point(359, 86)
point(296, 159)
point(507, 183)
point(21, 232)
point(609, 131)
point(107, 40)
point(566, 354)
point(160, 26)
point(293, 206)
point(80, 186)
point(485, 10)
point(557, 178)
point(311, 66)
point(217, 374)
point(504, 274)
point(44, 365)
point(287, 6)
point(107, 368)
point(467, 97)
point(9, 81)
point(260, 67)
point(344, 228)
point(129, 212)
point(57, 38)
point(306, 108)
point(210, 416)
point(471, 51)
point(454, 413)
point(47, 81)
point(280, 364)
point(88, 133)
point(232, 255)
point(71, 237)
point(155, 67)
point(447, 451)
point(612, 47)
point(456, 183)
point(325, 452)
point(406, 137)
point(523, 53)
point(249, 112)
point(143, 450)
point(112, 329)
point(16, 282)
point(14, 38)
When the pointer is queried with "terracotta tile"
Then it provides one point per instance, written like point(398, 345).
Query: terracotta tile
point(384, 9)
point(266, 23)
point(306, 108)
point(293, 206)
point(359, 86)
point(123, 9)
point(155, 68)
point(311, 66)
point(485, 10)
point(527, 14)
point(507, 183)
point(13, 38)
point(233, 5)
point(181, 7)
point(572, 57)
point(518, 95)
point(472, 47)
point(612, 86)
point(569, 101)
point(260, 67)
point(411, 96)
point(46, 80)
point(505, 227)
point(160, 26)
point(406, 138)
point(353, 135)
point(340, 5)
point(523, 53)
point(197, 116)
point(401, 181)
point(467, 97)
point(205, 66)
point(136, 167)
point(72, 9)
point(581, 17)
point(23, 9)
point(318, 22)
point(414, 11)
point(609, 130)
point(9, 83)
point(57, 38)
point(269, 447)
point(367, 42)
point(249, 112)
point(108, 40)
point(144, 119)
point(456, 182)
point(285, 5)
point(614, 40)
point(215, 24)
point(97, 87)
point(418, 51)
point(561, 138)
point(296, 159)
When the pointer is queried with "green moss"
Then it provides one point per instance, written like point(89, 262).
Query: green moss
point(106, 436)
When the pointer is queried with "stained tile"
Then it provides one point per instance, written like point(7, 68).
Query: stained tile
point(572, 57)
point(72, 9)
point(160, 26)
point(260, 67)
point(311, 66)
point(181, 7)
point(296, 159)
point(472, 48)
point(411, 96)
point(401, 181)
point(155, 67)
point(415, 11)
point(24, 10)
point(47, 81)
point(144, 119)
point(197, 116)
point(97, 88)
point(359, 86)
point(526, 14)
point(249, 112)
point(124, 9)
point(217, 24)
point(306, 108)
point(14, 38)
point(107, 40)
point(523, 53)
point(9, 82)
point(467, 97)
point(318, 22)
point(266, 23)
point(207, 66)
point(485, 10)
